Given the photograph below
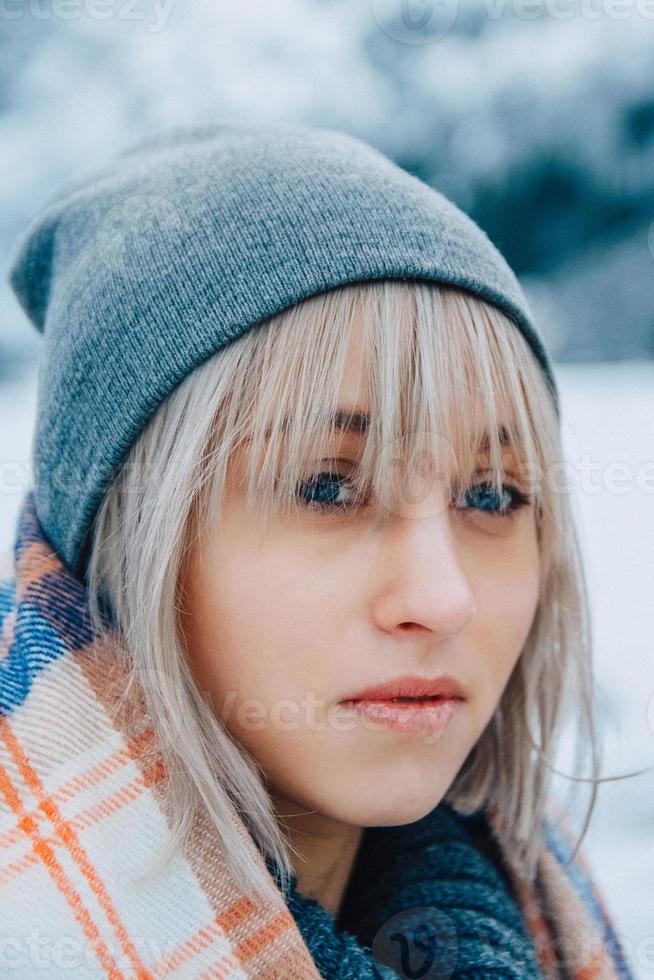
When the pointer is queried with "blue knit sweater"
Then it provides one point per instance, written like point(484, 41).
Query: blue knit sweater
point(430, 899)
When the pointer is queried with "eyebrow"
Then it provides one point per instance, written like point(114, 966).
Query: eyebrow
point(343, 420)
point(358, 422)
point(347, 420)
point(504, 436)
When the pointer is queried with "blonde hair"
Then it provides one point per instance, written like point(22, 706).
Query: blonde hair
point(439, 361)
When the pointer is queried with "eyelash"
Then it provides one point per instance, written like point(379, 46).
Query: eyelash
point(517, 499)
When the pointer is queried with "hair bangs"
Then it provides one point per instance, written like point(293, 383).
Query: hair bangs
point(444, 389)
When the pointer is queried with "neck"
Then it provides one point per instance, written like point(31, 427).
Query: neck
point(323, 852)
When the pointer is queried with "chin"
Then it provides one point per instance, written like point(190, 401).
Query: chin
point(393, 809)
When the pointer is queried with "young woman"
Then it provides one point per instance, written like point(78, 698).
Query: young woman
point(298, 606)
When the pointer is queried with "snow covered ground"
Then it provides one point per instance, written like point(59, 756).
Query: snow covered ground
point(608, 425)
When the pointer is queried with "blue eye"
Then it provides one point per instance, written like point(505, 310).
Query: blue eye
point(484, 497)
point(320, 491)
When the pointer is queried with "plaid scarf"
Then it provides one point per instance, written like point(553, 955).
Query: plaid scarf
point(82, 810)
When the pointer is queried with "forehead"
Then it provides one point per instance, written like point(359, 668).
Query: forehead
point(464, 423)
point(351, 416)
point(352, 389)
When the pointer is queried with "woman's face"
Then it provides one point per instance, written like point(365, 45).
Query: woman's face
point(279, 635)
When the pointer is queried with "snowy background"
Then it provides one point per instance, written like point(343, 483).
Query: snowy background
point(538, 119)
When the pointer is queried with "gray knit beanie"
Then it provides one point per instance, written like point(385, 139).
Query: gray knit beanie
point(138, 270)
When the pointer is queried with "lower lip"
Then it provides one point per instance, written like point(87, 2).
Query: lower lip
point(408, 716)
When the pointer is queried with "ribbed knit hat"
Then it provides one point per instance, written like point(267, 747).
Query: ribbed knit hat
point(138, 270)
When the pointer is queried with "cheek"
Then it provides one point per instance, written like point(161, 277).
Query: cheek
point(507, 603)
point(257, 645)
point(259, 627)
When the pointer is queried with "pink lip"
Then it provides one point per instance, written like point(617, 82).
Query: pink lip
point(421, 716)
point(441, 698)
point(412, 686)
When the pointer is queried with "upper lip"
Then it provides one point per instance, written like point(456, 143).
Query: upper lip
point(412, 686)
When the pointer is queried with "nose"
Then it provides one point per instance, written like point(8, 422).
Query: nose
point(426, 588)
